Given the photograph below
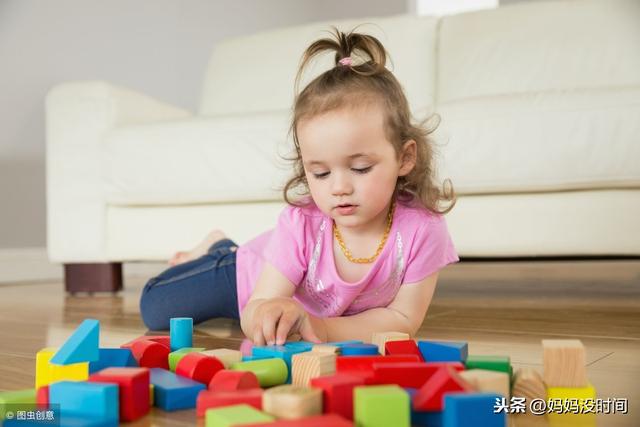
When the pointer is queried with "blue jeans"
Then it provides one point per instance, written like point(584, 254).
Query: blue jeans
point(201, 289)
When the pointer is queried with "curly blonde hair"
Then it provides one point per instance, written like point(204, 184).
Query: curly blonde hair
point(352, 85)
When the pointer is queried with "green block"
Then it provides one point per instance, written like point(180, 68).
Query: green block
point(270, 372)
point(174, 357)
point(385, 405)
point(23, 400)
point(491, 363)
point(228, 416)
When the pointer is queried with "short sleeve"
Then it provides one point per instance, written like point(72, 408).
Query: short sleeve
point(431, 250)
point(285, 249)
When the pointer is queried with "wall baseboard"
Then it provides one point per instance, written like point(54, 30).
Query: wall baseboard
point(19, 265)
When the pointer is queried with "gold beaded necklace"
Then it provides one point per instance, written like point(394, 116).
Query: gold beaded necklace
point(347, 252)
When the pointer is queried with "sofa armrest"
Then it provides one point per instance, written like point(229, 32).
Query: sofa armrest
point(78, 114)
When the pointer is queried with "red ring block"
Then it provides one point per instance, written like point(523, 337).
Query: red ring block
point(225, 380)
point(199, 367)
point(151, 354)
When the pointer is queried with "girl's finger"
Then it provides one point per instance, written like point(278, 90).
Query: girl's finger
point(269, 322)
point(286, 323)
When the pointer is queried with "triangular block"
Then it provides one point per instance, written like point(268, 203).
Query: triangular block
point(81, 346)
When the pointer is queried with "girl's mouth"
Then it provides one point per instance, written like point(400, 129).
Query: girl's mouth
point(346, 209)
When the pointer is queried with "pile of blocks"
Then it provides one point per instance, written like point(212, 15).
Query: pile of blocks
point(392, 381)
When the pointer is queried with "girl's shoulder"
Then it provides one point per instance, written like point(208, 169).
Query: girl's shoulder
point(304, 212)
point(413, 212)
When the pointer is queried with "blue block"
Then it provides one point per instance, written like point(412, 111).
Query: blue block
point(359, 350)
point(64, 421)
point(423, 418)
point(302, 345)
point(250, 358)
point(472, 409)
point(81, 346)
point(341, 344)
point(98, 401)
point(112, 358)
point(280, 351)
point(172, 392)
point(443, 351)
point(181, 332)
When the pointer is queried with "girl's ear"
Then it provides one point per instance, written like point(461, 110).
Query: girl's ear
point(408, 157)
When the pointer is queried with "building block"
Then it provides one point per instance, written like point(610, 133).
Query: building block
point(86, 400)
point(564, 363)
point(199, 367)
point(341, 344)
point(270, 372)
point(227, 380)
point(279, 351)
point(572, 393)
point(173, 392)
point(235, 415)
point(381, 338)
point(25, 398)
point(337, 392)
point(486, 381)
point(300, 345)
point(42, 397)
point(326, 420)
point(81, 346)
point(112, 358)
point(365, 363)
point(490, 363)
point(443, 351)
point(226, 356)
point(326, 348)
point(402, 347)
point(572, 420)
point(291, 402)
point(47, 373)
point(175, 356)
point(308, 365)
point(383, 405)
point(423, 418)
point(409, 374)
point(150, 354)
point(527, 383)
point(151, 394)
point(62, 420)
point(249, 358)
point(133, 389)
point(472, 409)
point(216, 399)
point(359, 350)
point(181, 332)
point(430, 397)
point(165, 340)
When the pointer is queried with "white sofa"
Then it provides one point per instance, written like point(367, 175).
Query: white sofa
point(540, 134)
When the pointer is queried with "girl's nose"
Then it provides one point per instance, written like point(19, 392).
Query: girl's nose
point(341, 184)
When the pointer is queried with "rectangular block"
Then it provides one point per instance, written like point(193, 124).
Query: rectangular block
point(443, 351)
point(173, 392)
point(564, 363)
point(472, 409)
point(47, 373)
point(385, 405)
point(25, 398)
point(308, 365)
point(133, 389)
point(84, 399)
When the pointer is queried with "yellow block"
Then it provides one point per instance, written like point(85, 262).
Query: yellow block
point(47, 373)
point(570, 398)
point(150, 394)
point(588, 392)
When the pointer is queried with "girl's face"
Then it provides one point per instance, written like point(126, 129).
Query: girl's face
point(350, 165)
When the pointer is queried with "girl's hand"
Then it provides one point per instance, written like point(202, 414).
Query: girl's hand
point(278, 318)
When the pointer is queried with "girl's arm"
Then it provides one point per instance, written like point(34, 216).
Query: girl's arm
point(405, 314)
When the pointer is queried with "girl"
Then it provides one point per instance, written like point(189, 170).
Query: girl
point(360, 250)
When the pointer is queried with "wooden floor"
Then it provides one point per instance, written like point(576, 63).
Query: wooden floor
point(498, 308)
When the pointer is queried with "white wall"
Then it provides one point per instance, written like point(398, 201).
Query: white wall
point(159, 47)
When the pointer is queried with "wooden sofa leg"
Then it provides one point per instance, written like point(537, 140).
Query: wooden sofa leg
point(93, 277)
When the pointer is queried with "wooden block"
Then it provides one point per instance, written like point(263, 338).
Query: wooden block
point(198, 367)
point(47, 373)
point(133, 390)
point(26, 399)
point(430, 397)
point(564, 363)
point(326, 348)
point(81, 346)
point(488, 381)
point(216, 399)
point(359, 350)
point(337, 392)
point(472, 409)
point(326, 420)
point(113, 358)
point(383, 405)
point(565, 393)
point(181, 332)
point(235, 415)
point(150, 354)
point(42, 397)
point(306, 366)
point(490, 363)
point(176, 356)
point(280, 351)
point(226, 380)
point(151, 394)
point(443, 351)
point(365, 363)
point(85, 399)
point(173, 392)
point(292, 402)
point(568, 397)
point(402, 347)
point(226, 356)
point(381, 338)
point(270, 372)
point(528, 383)
point(165, 340)
point(409, 374)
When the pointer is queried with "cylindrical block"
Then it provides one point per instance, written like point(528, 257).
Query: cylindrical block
point(270, 372)
point(181, 332)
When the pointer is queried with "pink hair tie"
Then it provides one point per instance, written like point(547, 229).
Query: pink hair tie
point(346, 61)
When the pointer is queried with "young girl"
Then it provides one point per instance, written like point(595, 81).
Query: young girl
point(360, 250)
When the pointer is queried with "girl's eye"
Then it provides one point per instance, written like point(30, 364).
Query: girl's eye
point(362, 170)
point(321, 175)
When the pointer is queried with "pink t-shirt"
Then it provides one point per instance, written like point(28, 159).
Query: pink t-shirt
point(301, 248)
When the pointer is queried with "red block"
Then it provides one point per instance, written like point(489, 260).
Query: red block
point(337, 392)
point(151, 354)
point(409, 374)
point(165, 340)
point(402, 347)
point(365, 363)
point(327, 420)
point(133, 389)
point(199, 367)
point(215, 399)
point(430, 397)
point(225, 380)
point(42, 397)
